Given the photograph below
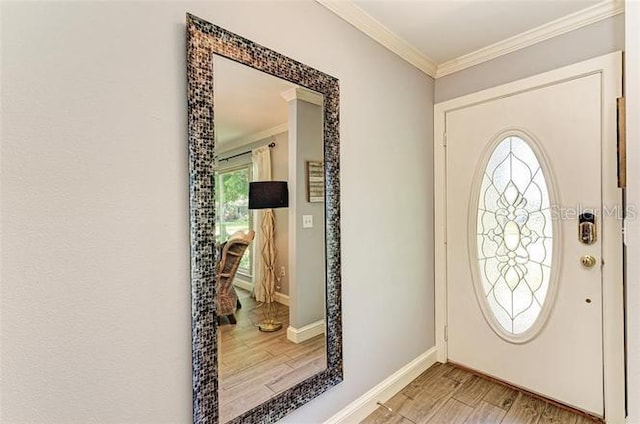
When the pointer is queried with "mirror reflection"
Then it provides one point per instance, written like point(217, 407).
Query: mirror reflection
point(270, 233)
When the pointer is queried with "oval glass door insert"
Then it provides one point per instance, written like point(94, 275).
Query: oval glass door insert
point(514, 236)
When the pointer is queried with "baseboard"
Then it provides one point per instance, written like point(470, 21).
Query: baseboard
point(248, 286)
point(362, 407)
point(282, 299)
point(299, 335)
point(243, 284)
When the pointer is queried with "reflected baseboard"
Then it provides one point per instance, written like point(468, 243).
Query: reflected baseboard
point(246, 285)
point(281, 298)
point(299, 335)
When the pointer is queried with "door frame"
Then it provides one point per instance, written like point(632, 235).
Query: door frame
point(610, 67)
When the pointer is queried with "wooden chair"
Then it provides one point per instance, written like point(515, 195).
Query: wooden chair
point(226, 297)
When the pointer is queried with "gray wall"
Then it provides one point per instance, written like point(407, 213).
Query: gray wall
point(593, 40)
point(96, 305)
point(307, 256)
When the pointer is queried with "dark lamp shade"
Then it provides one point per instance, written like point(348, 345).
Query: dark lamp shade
point(268, 195)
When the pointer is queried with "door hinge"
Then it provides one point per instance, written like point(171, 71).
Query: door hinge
point(444, 139)
point(446, 333)
point(622, 142)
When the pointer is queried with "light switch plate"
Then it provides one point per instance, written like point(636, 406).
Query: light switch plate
point(307, 221)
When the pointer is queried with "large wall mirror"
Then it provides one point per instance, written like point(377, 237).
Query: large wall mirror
point(265, 236)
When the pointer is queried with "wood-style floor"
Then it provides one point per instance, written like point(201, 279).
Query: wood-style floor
point(255, 366)
point(446, 394)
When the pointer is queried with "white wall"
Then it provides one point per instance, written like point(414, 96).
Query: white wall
point(95, 306)
point(632, 94)
point(593, 40)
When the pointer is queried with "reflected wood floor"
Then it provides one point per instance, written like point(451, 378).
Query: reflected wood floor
point(447, 394)
point(255, 366)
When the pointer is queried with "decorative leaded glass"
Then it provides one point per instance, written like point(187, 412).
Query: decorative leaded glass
point(514, 235)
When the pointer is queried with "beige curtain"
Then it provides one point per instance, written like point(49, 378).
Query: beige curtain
point(263, 245)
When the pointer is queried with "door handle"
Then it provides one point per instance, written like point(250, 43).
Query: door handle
point(588, 261)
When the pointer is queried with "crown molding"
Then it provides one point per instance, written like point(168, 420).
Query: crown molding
point(252, 138)
point(360, 19)
point(590, 15)
point(303, 94)
point(353, 14)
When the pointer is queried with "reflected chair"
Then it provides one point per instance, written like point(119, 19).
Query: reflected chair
point(226, 297)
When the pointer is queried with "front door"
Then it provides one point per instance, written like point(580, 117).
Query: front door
point(525, 223)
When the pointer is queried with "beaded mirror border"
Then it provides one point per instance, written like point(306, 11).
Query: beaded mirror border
point(204, 40)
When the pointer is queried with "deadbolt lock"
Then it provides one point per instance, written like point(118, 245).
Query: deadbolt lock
point(588, 261)
point(587, 228)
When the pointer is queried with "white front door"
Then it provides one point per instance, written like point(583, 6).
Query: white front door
point(525, 227)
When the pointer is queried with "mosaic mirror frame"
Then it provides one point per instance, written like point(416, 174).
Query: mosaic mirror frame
point(204, 40)
point(473, 248)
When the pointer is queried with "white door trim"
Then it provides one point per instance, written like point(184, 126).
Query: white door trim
point(610, 66)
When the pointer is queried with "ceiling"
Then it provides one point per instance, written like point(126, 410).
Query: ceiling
point(444, 30)
point(248, 103)
point(445, 36)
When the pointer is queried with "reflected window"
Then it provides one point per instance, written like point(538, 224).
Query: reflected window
point(232, 198)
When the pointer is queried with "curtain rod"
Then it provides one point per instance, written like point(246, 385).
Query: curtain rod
point(271, 145)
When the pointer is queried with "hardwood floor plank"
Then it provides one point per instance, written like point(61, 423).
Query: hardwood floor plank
point(438, 387)
point(241, 387)
point(396, 403)
point(582, 419)
point(255, 369)
point(273, 345)
point(422, 408)
point(311, 344)
point(486, 413)
point(383, 416)
point(501, 396)
point(306, 358)
point(452, 412)
point(555, 415)
point(431, 392)
point(293, 350)
point(473, 390)
point(237, 406)
point(436, 391)
point(228, 343)
point(262, 338)
point(525, 410)
point(240, 361)
point(458, 374)
point(297, 375)
point(416, 386)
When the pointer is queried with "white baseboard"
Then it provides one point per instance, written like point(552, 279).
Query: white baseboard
point(243, 284)
point(282, 299)
point(299, 335)
point(248, 286)
point(362, 407)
